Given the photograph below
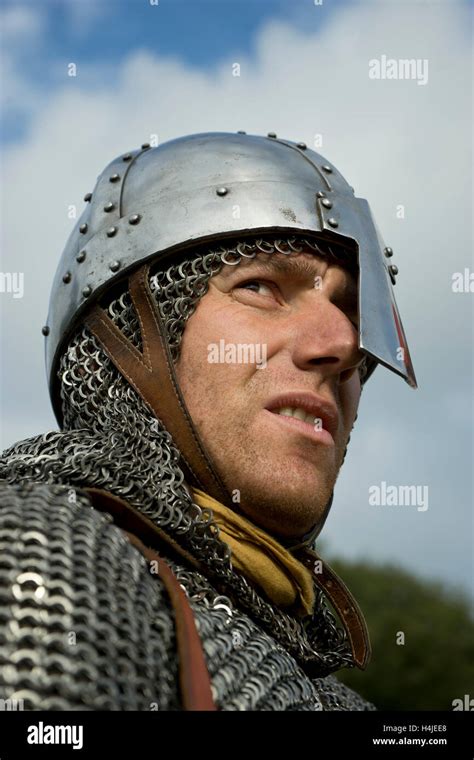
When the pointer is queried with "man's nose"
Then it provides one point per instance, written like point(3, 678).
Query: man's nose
point(324, 337)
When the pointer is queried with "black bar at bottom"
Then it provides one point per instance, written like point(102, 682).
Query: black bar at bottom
point(133, 735)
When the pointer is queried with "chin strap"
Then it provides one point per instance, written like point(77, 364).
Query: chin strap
point(306, 541)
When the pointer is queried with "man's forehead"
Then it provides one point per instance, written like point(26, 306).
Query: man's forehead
point(304, 265)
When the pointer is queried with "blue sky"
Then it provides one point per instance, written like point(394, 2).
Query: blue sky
point(198, 32)
point(101, 32)
point(167, 70)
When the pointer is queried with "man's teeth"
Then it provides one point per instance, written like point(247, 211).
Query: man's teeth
point(300, 414)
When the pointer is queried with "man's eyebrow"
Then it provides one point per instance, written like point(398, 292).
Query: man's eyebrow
point(302, 268)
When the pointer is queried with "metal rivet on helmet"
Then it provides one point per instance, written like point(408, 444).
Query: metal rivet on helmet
point(326, 169)
point(333, 222)
point(87, 291)
point(388, 252)
point(114, 178)
point(134, 219)
point(109, 206)
point(114, 266)
point(326, 203)
point(45, 330)
point(111, 231)
point(320, 194)
point(271, 134)
point(83, 229)
point(81, 256)
point(241, 132)
point(393, 269)
point(222, 190)
point(145, 146)
point(88, 197)
point(301, 145)
point(67, 277)
point(127, 157)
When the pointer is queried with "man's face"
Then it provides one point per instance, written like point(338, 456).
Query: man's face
point(298, 315)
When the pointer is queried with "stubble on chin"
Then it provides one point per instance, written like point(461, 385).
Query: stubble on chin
point(280, 490)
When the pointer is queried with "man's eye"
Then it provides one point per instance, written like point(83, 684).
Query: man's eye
point(256, 286)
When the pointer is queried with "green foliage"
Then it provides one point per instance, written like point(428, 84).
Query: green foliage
point(435, 665)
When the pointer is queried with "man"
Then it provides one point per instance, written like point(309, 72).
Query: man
point(215, 314)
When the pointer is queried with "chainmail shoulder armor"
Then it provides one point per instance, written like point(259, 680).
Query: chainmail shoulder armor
point(83, 625)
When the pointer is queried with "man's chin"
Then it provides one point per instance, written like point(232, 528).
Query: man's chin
point(288, 513)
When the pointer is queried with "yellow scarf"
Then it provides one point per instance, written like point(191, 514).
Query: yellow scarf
point(261, 559)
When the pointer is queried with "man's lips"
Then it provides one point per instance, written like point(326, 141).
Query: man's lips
point(325, 418)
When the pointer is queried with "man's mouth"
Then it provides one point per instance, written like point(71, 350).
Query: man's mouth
point(307, 412)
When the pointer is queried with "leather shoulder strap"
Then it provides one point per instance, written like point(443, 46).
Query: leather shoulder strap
point(345, 605)
point(194, 679)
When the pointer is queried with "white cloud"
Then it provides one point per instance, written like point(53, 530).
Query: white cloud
point(20, 23)
point(22, 30)
point(395, 141)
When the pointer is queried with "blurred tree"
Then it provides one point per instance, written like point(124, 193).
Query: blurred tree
point(422, 636)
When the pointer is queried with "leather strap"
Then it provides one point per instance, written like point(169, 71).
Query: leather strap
point(133, 521)
point(194, 679)
point(153, 376)
point(345, 605)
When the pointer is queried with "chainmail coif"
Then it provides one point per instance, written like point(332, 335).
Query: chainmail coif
point(258, 656)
